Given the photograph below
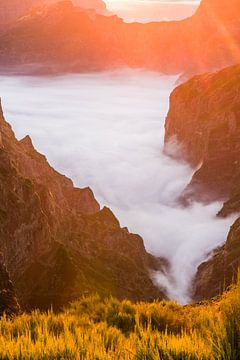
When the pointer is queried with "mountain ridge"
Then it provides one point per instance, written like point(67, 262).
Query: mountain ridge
point(61, 38)
point(12, 10)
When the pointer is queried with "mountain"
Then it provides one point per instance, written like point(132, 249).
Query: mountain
point(98, 5)
point(204, 117)
point(219, 272)
point(12, 10)
point(56, 242)
point(63, 37)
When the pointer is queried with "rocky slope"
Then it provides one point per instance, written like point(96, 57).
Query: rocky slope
point(63, 38)
point(56, 242)
point(204, 117)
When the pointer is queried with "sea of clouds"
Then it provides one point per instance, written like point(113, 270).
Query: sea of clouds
point(106, 131)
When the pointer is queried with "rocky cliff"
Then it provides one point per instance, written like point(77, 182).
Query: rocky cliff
point(204, 117)
point(215, 275)
point(64, 38)
point(56, 241)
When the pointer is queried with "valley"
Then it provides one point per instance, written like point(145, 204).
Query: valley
point(139, 183)
point(119, 183)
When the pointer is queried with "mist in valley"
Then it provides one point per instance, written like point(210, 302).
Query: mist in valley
point(106, 131)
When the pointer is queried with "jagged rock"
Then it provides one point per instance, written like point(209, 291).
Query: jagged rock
point(56, 241)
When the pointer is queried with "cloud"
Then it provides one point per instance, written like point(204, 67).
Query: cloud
point(106, 131)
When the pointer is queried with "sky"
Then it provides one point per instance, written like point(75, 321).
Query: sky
point(152, 10)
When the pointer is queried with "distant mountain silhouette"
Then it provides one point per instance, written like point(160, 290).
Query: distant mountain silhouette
point(63, 37)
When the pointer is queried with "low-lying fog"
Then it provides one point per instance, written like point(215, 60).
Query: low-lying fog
point(106, 131)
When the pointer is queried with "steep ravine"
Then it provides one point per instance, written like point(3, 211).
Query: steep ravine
point(56, 242)
point(204, 118)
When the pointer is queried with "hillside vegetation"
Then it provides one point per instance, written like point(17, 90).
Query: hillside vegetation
point(99, 329)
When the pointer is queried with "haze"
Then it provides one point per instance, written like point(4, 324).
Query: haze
point(152, 10)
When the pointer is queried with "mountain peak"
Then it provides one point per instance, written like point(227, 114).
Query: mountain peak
point(27, 142)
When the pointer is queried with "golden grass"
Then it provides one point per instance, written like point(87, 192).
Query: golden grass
point(95, 329)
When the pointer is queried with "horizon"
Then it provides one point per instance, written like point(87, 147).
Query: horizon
point(152, 10)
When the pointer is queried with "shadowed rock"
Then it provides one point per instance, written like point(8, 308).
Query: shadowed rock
point(8, 301)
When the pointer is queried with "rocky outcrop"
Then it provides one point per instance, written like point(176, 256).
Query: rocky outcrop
point(56, 241)
point(65, 38)
point(204, 118)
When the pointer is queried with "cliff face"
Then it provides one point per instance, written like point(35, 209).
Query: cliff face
point(204, 117)
point(64, 38)
point(56, 242)
point(216, 274)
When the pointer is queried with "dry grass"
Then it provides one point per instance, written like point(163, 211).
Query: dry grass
point(95, 329)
